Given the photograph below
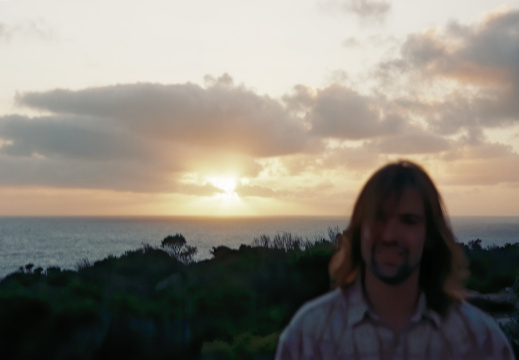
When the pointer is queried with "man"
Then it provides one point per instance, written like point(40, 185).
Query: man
point(399, 290)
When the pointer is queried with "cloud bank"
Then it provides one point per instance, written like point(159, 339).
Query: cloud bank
point(435, 100)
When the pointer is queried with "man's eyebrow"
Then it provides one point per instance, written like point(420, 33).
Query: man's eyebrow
point(413, 216)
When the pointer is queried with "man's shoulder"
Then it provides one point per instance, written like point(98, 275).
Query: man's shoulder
point(467, 315)
point(319, 306)
point(467, 324)
point(310, 332)
point(314, 314)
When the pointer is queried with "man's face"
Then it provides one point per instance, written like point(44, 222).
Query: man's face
point(392, 244)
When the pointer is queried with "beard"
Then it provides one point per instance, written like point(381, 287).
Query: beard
point(402, 271)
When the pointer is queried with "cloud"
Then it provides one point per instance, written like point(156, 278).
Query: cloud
point(340, 112)
point(222, 116)
point(355, 160)
point(475, 146)
point(67, 173)
point(350, 42)
point(473, 159)
point(246, 190)
point(151, 175)
point(221, 129)
point(145, 137)
point(29, 29)
point(71, 151)
point(461, 76)
point(367, 11)
point(68, 137)
point(206, 189)
point(330, 163)
point(410, 143)
point(491, 172)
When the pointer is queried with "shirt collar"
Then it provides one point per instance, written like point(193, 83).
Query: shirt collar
point(424, 312)
point(358, 307)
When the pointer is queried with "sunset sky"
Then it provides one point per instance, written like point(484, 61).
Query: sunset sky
point(242, 107)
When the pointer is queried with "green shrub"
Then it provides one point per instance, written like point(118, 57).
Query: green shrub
point(243, 346)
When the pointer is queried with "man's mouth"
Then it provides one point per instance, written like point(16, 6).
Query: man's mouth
point(390, 255)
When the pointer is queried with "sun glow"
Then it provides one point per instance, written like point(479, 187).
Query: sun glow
point(227, 184)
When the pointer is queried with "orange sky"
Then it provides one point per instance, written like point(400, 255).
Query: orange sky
point(202, 110)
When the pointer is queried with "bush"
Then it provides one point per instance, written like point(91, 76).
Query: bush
point(285, 241)
point(219, 252)
point(83, 264)
point(242, 346)
point(511, 330)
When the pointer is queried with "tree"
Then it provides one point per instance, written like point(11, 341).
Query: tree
point(475, 244)
point(176, 247)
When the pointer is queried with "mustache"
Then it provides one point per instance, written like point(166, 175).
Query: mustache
point(382, 246)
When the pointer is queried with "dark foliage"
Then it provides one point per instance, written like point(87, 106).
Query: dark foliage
point(158, 304)
point(493, 268)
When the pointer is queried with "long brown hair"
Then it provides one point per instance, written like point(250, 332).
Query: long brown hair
point(443, 266)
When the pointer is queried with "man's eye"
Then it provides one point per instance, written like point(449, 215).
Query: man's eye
point(411, 219)
point(380, 216)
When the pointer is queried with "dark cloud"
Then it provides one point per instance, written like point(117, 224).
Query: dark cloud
point(68, 173)
point(340, 112)
point(68, 137)
point(477, 66)
point(144, 137)
point(222, 116)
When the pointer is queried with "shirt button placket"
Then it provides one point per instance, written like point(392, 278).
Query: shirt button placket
point(397, 350)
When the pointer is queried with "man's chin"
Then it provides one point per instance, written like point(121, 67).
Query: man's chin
point(391, 274)
point(392, 280)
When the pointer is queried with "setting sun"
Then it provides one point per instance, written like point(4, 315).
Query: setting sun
point(227, 184)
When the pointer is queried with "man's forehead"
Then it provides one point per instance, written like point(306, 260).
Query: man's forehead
point(407, 199)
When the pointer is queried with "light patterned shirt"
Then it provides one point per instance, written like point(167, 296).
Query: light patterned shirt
point(340, 325)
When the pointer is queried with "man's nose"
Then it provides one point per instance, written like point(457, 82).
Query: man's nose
point(389, 230)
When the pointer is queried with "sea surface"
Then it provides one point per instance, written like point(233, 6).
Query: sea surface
point(65, 241)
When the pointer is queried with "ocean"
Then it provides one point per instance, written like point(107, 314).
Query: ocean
point(65, 241)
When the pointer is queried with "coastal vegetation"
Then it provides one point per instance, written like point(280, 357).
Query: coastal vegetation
point(159, 303)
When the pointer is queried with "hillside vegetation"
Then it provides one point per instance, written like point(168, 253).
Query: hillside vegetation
point(158, 303)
